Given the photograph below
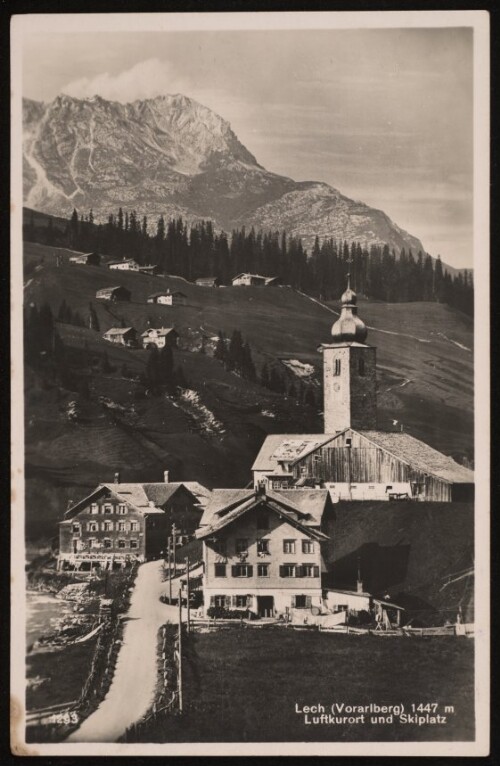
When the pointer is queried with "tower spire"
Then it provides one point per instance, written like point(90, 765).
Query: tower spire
point(349, 327)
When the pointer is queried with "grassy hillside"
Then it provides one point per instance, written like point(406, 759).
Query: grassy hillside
point(424, 365)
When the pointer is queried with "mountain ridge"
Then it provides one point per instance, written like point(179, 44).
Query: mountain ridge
point(171, 155)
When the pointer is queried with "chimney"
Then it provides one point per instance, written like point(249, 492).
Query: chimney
point(261, 489)
point(117, 477)
point(165, 477)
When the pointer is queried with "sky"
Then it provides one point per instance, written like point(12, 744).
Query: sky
point(383, 115)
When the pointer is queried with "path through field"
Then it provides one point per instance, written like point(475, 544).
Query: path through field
point(133, 685)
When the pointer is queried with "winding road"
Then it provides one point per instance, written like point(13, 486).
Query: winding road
point(133, 686)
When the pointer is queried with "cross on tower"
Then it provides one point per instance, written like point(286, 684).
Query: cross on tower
point(349, 262)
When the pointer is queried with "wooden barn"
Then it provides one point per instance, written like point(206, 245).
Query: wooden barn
point(208, 282)
point(86, 259)
point(160, 337)
point(118, 293)
point(254, 280)
point(123, 336)
point(363, 465)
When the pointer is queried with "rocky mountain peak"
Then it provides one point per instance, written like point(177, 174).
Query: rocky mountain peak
point(171, 155)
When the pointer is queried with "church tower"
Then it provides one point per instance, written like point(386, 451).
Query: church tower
point(349, 372)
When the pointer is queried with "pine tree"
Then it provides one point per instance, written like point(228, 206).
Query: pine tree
point(264, 376)
point(180, 378)
point(235, 353)
point(220, 351)
point(247, 364)
point(93, 320)
point(105, 365)
point(166, 368)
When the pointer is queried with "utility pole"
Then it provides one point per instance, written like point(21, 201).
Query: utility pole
point(179, 661)
point(174, 539)
point(188, 626)
point(169, 571)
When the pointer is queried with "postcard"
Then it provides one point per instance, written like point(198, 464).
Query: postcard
point(250, 429)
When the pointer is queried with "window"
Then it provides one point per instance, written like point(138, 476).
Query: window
point(92, 542)
point(122, 509)
point(361, 367)
point(218, 600)
point(94, 508)
point(262, 570)
point(220, 547)
point(76, 529)
point(134, 543)
point(263, 546)
point(337, 368)
point(241, 545)
point(122, 544)
point(348, 441)
point(371, 486)
point(307, 546)
point(309, 570)
point(107, 542)
point(301, 602)
point(242, 570)
point(263, 516)
point(240, 602)
point(122, 526)
point(108, 508)
point(108, 526)
point(92, 526)
point(220, 570)
point(134, 526)
point(288, 546)
point(288, 570)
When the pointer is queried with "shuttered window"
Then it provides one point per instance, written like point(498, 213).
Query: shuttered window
point(262, 570)
point(242, 570)
point(288, 546)
point(288, 570)
point(309, 570)
point(300, 601)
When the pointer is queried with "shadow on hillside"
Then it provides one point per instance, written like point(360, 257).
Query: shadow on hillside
point(381, 567)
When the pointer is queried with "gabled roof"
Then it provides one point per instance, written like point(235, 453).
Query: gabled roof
point(248, 274)
point(291, 448)
point(112, 289)
point(302, 508)
point(419, 455)
point(145, 498)
point(160, 332)
point(124, 260)
point(287, 448)
point(118, 330)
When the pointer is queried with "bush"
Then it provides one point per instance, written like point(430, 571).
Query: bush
point(221, 613)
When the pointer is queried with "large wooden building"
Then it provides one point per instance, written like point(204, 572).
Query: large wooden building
point(353, 459)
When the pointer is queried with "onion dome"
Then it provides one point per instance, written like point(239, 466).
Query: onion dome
point(349, 327)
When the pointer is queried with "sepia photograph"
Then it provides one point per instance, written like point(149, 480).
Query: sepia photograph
point(250, 354)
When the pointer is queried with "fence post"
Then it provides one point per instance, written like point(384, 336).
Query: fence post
point(179, 670)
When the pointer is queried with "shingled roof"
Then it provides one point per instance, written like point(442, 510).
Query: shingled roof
point(309, 504)
point(146, 498)
point(419, 455)
point(287, 447)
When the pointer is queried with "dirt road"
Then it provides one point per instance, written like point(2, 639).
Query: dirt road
point(132, 689)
